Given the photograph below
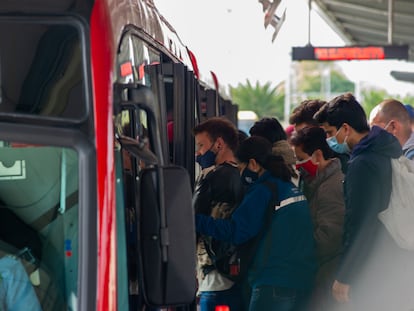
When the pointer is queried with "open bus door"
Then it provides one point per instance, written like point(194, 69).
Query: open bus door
point(161, 249)
point(230, 111)
point(175, 88)
point(212, 103)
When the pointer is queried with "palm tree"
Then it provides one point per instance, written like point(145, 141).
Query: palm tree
point(265, 100)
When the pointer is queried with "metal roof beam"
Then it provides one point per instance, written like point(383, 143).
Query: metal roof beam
point(356, 7)
point(332, 22)
point(347, 19)
point(360, 8)
point(381, 36)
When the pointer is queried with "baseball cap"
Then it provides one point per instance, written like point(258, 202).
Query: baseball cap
point(410, 110)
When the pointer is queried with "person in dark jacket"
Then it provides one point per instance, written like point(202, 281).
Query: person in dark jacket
point(323, 187)
point(282, 270)
point(374, 274)
point(218, 191)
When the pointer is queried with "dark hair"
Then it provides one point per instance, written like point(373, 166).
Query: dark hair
point(219, 127)
point(260, 149)
point(343, 109)
point(242, 136)
point(305, 111)
point(311, 139)
point(269, 128)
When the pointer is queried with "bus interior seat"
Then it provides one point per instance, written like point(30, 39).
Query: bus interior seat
point(32, 181)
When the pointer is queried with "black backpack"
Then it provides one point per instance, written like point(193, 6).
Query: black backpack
point(233, 261)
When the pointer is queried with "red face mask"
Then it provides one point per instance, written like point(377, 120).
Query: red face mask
point(307, 167)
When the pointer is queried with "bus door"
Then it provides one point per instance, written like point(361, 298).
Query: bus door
point(177, 89)
point(212, 105)
point(160, 259)
point(230, 110)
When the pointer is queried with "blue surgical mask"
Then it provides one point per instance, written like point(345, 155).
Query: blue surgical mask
point(207, 159)
point(248, 177)
point(337, 147)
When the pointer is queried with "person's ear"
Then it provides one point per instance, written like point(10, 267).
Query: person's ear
point(219, 143)
point(254, 165)
point(347, 129)
point(394, 126)
point(317, 156)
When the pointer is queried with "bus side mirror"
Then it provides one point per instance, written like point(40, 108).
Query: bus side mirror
point(167, 236)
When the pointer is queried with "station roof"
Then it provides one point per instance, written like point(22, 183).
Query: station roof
point(370, 22)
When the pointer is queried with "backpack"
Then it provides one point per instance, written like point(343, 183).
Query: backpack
point(398, 218)
point(233, 261)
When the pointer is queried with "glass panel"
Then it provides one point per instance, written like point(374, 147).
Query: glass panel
point(39, 232)
point(133, 56)
point(134, 146)
point(41, 72)
point(134, 124)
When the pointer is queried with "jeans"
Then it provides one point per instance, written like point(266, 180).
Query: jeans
point(230, 297)
point(272, 298)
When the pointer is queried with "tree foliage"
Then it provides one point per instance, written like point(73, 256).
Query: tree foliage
point(371, 98)
point(265, 100)
point(316, 77)
point(311, 80)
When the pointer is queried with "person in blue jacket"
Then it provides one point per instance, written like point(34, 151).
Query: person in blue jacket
point(282, 270)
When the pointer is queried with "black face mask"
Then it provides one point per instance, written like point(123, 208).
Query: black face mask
point(248, 177)
point(207, 159)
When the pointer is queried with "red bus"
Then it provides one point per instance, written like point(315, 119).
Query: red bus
point(97, 102)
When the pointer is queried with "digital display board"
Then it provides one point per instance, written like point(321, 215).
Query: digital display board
point(350, 53)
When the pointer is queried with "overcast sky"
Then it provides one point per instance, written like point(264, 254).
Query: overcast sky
point(229, 38)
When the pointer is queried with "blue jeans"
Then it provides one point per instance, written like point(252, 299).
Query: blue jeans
point(230, 297)
point(272, 298)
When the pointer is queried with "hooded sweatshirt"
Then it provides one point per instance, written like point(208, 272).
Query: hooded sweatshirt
point(367, 190)
point(408, 147)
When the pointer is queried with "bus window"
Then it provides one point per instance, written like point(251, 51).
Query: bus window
point(133, 56)
point(42, 73)
point(39, 208)
point(133, 124)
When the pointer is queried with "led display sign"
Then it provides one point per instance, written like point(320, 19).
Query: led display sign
point(350, 53)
